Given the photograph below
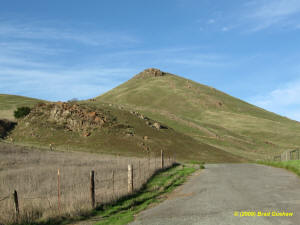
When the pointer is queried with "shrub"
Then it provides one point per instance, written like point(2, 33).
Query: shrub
point(73, 100)
point(21, 112)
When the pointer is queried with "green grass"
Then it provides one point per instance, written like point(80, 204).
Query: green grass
point(37, 132)
point(293, 165)
point(208, 115)
point(159, 185)
point(8, 103)
point(210, 125)
point(123, 211)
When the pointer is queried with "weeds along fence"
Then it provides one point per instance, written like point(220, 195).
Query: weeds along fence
point(34, 192)
point(288, 155)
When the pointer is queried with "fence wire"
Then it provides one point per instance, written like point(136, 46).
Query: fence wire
point(4, 198)
point(78, 194)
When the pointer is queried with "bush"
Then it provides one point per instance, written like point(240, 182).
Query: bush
point(73, 100)
point(21, 112)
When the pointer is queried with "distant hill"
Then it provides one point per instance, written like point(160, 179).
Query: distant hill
point(8, 103)
point(206, 114)
point(156, 110)
point(103, 128)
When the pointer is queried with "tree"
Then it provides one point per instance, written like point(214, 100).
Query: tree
point(21, 112)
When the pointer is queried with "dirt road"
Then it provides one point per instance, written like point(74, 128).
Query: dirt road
point(214, 195)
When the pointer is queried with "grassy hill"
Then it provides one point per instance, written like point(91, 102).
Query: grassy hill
point(206, 114)
point(8, 103)
point(102, 128)
point(203, 123)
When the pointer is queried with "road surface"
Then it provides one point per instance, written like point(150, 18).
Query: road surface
point(212, 197)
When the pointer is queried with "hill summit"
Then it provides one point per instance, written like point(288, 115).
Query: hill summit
point(150, 72)
point(206, 114)
point(189, 119)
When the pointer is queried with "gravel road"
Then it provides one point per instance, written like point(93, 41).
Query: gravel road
point(212, 196)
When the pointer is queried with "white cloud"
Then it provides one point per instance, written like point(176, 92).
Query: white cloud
point(40, 61)
point(225, 29)
point(30, 31)
point(267, 13)
point(284, 100)
point(211, 21)
point(61, 84)
point(198, 59)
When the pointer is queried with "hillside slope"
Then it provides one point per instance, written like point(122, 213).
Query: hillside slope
point(206, 114)
point(105, 129)
point(8, 103)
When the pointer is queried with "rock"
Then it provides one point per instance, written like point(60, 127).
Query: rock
point(86, 134)
point(71, 116)
point(156, 125)
point(92, 114)
point(66, 113)
point(151, 72)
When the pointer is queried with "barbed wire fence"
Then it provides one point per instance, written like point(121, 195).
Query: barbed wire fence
point(88, 193)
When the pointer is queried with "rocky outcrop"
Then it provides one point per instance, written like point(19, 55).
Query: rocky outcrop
point(149, 122)
point(151, 72)
point(72, 117)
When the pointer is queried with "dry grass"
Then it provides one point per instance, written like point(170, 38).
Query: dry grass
point(33, 174)
point(207, 115)
point(7, 114)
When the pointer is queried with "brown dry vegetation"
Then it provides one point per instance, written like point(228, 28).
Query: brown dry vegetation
point(106, 128)
point(33, 173)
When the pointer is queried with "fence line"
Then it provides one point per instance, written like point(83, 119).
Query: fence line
point(135, 175)
point(288, 155)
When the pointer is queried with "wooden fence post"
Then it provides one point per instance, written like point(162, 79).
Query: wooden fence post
point(149, 164)
point(130, 179)
point(58, 190)
point(140, 175)
point(16, 200)
point(113, 182)
point(162, 159)
point(92, 188)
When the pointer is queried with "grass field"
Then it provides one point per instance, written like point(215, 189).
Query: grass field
point(293, 165)
point(33, 173)
point(128, 135)
point(207, 115)
point(154, 192)
point(9, 103)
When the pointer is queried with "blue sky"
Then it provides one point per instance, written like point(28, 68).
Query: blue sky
point(58, 50)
